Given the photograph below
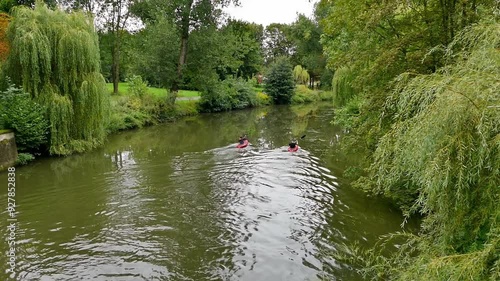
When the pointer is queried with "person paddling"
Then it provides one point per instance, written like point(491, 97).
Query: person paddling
point(293, 146)
point(243, 142)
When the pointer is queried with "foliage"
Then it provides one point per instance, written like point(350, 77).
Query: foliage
point(301, 75)
point(308, 51)
point(7, 5)
point(210, 53)
point(158, 65)
point(185, 108)
point(347, 115)
point(441, 158)
point(137, 87)
point(343, 91)
point(4, 45)
point(325, 95)
point(24, 159)
point(55, 56)
point(227, 95)
point(426, 114)
point(248, 40)
point(125, 63)
point(278, 42)
point(189, 17)
point(132, 111)
point(304, 95)
point(112, 18)
point(326, 80)
point(263, 99)
point(25, 117)
point(279, 84)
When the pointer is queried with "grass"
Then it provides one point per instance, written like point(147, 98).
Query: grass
point(258, 89)
point(123, 89)
point(2, 131)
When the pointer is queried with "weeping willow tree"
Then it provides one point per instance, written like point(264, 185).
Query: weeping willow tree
point(55, 57)
point(442, 158)
point(301, 75)
point(343, 91)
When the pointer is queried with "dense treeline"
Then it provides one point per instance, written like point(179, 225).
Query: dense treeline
point(418, 85)
point(174, 45)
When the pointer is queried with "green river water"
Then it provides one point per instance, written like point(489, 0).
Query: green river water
point(178, 201)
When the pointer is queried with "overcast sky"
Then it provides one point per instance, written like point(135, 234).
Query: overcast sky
point(270, 11)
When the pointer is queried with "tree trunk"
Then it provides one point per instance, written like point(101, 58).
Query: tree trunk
point(174, 89)
point(182, 61)
point(115, 67)
point(445, 20)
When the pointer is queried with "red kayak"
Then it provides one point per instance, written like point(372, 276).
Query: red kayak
point(293, 149)
point(243, 145)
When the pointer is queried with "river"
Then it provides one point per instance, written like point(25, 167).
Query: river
point(178, 201)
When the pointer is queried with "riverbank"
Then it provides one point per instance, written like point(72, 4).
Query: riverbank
point(138, 106)
point(134, 108)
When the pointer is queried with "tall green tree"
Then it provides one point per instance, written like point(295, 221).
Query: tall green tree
point(280, 83)
point(214, 54)
point(187, 16)
point(248, 50)
point(278, 42)
point(306, 35)
point(55, 57)
point(112, 18)
point(107, 45)
point(158, 65)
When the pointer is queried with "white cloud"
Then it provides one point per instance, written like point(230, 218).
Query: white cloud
point(266, 12)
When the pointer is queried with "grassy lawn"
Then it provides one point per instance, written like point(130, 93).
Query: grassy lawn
point(258, 89)
point(123, 89)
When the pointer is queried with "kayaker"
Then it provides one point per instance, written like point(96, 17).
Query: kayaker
point(293, 146)
point(243, 142)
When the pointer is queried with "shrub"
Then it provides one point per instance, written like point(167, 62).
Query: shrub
point(24, 158)
point(326, 95)
point(133, 112)
point(136, 86)
point(280, 83)
point(346, 116)
point(186, 108)
point(25, 117)
point(304, 95)
point(226, 95)
point(263, 99)
point(242, 93)
point(214, 99)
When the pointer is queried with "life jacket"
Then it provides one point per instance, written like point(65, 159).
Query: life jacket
point(293, 149)
point(243, 145)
